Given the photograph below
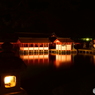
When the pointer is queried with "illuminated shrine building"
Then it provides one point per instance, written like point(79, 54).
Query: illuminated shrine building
point(44, 44)
point(63, 44)
point(41, 44)
point(34, 44)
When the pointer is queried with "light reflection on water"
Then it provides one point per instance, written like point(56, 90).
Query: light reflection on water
point(57, 60)
point(43, 59)
point(63, 60)
point(35, 59)
point(45, 79)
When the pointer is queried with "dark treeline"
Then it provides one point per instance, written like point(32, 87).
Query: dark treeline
point(67, 17)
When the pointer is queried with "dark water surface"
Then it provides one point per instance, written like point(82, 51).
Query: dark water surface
point(59, 74)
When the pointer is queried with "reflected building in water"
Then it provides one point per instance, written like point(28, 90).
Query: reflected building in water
point(63, 60)
point(47, 59)
point(35, 59)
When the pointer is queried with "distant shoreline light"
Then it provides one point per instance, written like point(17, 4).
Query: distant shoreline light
point(86, 39)
point(94, 91)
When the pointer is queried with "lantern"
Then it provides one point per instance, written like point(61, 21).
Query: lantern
point(10, 83)
point(10, 68)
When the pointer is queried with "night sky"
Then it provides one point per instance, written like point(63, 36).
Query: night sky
point(73, 18)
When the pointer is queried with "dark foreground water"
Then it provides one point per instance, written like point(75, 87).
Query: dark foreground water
point(59, 74)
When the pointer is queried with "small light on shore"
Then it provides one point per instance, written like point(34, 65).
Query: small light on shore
point(94, 91)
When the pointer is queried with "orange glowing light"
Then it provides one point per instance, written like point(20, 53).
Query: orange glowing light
point(62, 59)
point(57, 63)
point(63, 47)
point(68, 47)
point(56, 41)
point(34, 48)
point(94, 45)
point(10, 81)
point(35, 59)
point(34, 56)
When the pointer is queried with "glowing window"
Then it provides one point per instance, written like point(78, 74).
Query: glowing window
point(68, 47)
point(58, 47)
point(10, 81)
point(64, 47)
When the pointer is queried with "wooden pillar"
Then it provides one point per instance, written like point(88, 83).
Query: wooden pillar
point(58, 48)
point(61, 48)
point(23, 47)
point(43, 47)
point(48, 48)
point(28, 48)
point(38, 48)
point(28, 56)
point(43, 57)
point(33, 48)
point(66, 47)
